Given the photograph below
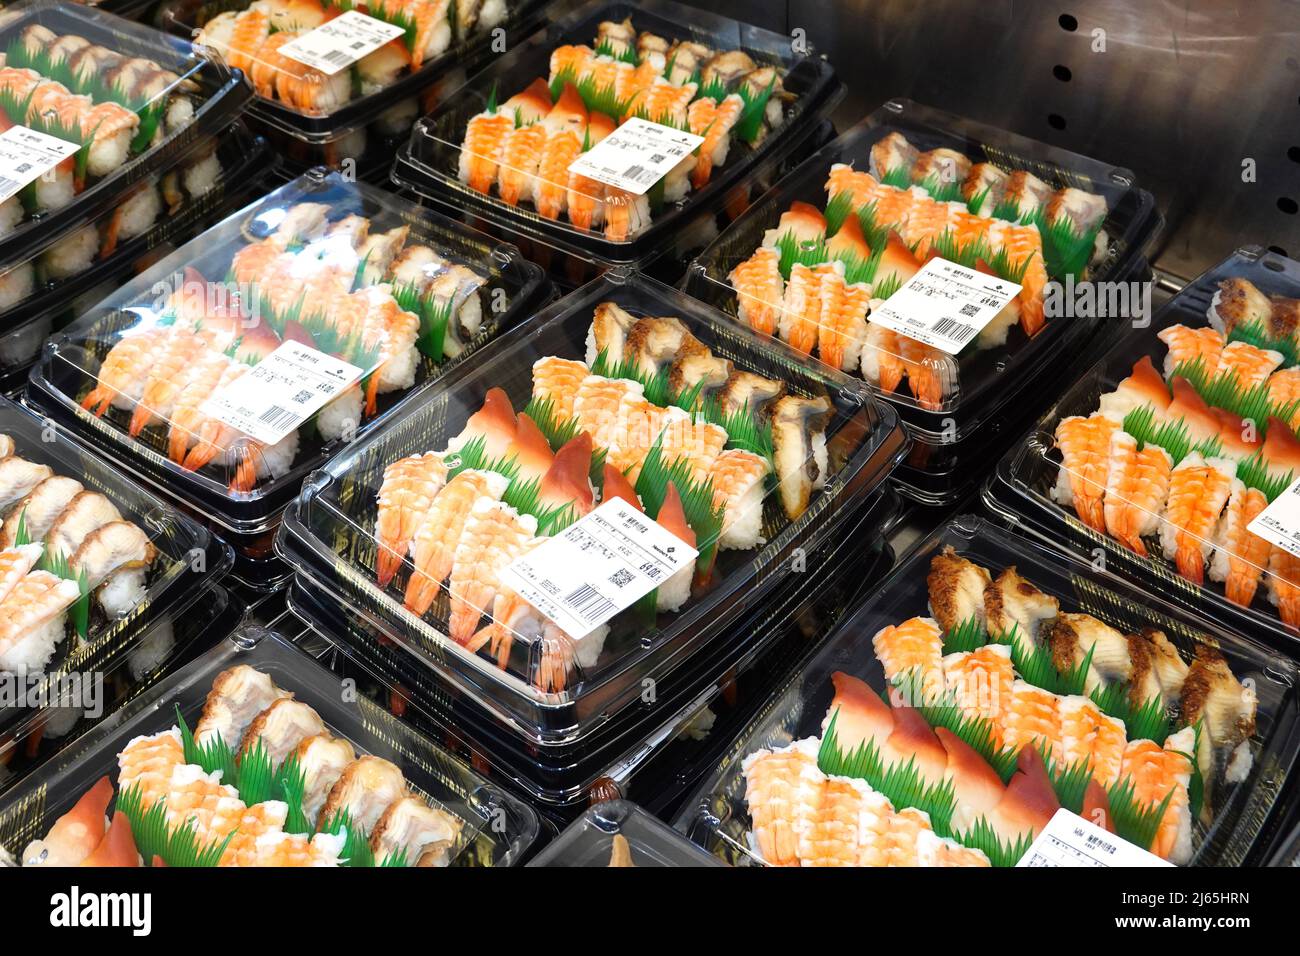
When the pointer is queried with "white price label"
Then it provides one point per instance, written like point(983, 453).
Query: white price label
point(26, 155)
point(1070, 840)
point(636, 155)
point(945, 305)
point(1279, 523)
point(336, 45)
point(597, 567)
point(281, 392)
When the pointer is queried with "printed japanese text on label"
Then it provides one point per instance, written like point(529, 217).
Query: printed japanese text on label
point(945, 305)
point(636, 155)
point(26, 155)
point(336, 45)
point(1070, 840)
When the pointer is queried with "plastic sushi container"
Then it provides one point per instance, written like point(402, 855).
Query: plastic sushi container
point(90, 258)
point(561, 779)
point(481, 825)
point(147, 97)
point(95, 556)
point(930, 157)
point(618, 833)
point(1215, 815)
point(672, 214)
point(1234, 435)
point(169, 640)
point(333, 524)
point(349, 114)
point(457, 291)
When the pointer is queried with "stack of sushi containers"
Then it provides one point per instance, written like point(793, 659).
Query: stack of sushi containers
point(343, 112)
point(906, 182)
point(119, 141)
point(131, 376)
point(774, 108)
point(386, 538)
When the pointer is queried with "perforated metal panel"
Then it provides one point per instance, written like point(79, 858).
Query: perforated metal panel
point(1183, 93)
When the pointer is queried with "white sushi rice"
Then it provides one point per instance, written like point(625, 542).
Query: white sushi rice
point(122, 591)
point(586, 650)
point(493, 12)
point(11, 214)
point(1061, 492)
point(16, 285)
point(180, 113)
point(341, 417)
point(199, 178)
point(73, 254)
point(20, 346)
point(31, 653)
point(55, 192)
point(152, 651)
point(398, 118)
point(676, 591)
point(995, 333)
point(399, 371)
point(351, 145)
point(139, 213)
point(742, 526)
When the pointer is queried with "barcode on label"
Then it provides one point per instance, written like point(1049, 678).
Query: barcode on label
point(277, 417)
point(959, 331)
point(588, 603)
point(9, 185)
point(338, 57)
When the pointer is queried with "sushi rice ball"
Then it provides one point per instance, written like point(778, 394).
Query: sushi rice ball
point(11, 214)
point(201, 176)
point(139, 212)
point(55, 190)
point(16, 285)
point(30, 653)
point(73, 254)
point(341, 417)
point(122, 591)
point(20, 346)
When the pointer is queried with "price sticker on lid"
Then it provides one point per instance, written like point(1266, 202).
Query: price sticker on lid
point(1070, 840)
point(636, 155)
point(945, 305)
point(597, 567)
point(1279, 523)
point(281, 392)
point(26, 155)
point(336, 45)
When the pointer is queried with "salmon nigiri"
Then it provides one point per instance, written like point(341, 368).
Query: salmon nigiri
point(77, 833)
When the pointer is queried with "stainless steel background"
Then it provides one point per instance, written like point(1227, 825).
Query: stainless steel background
point(1183, 94)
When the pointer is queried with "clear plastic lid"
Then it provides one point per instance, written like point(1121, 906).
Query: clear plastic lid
point(836, 239)
point(739, 453)
point(92, 104)
point(1169, 729)
point(322, 68)
point(168, 641)
point(1168, 449)
point(565, 775)
point(245, 359)
point(89, 558)
point(506, 142)
point(617, 833)
point(400, 795)
point(36, 294)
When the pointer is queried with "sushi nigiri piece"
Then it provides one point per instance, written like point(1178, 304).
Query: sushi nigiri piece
point(1281, 451)
point(118, 848)
point(409, 487)
point(903, 836)
point(860, 716)
point(746, 391)
point(738, 481)
point(146, 764)
point(281, 728)
point(494, 423)
point(892, 154)
point(714, 123)
point(655, 343)
point(1157, 669)
point(433, 549)
point(480, 153)
point(783, 790)
point(800, 322)
point(1143, 388)
point(1029, 802)
point(237, 696)
point(520, 157)
point(557, 380)
point(1085, 465)
point(626, 214)
point(976, 786)
point(115, 559)
point(956, 588)
point(433, 31)
point(882, 362)
point(986, 181)
point(847, 826)
point(529, 450)
point(897, 264)
point(1187, 345)
point(1284, 394)
point(1084, 210)
point(367, 787)
point(912, 653)
point(15, 562)
point(643, 424)
point(945, 167)
point(802, 222)
point(799, 449)
point(1198, 491)
point(1027, 192)
point(760, 290)
point(201, 801)
point(275, 848)
point(698, 373)
point(1137, 485)
point(843, 332)
point(665, 102)
point(18, 477)
point(1239, 437)
point(1032, 720)
point(75, 835)
point(412, 830)
point(979, 682)
point(1189, 408)
point(258, 821)
point(673, 594)
point(1225, 708)
point(1156, 772)
point(602, 406)
point(382, 67)
point(1023, 246)
point(31, 621)
point(1074, 638)
point(1090, 737)
point(236, 35)
point(1239, 556)
point(697, 443)
point(913, 741)
point(1014, 606)
point(1251, 365)
point(322, 760)
point(532, 105)
point(932, 850)
point(860, 187)
point(608, 334)
point(1284, 584)
point(1236, 303)
point(493, 536)
point(38, 510)
point(572, 60)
